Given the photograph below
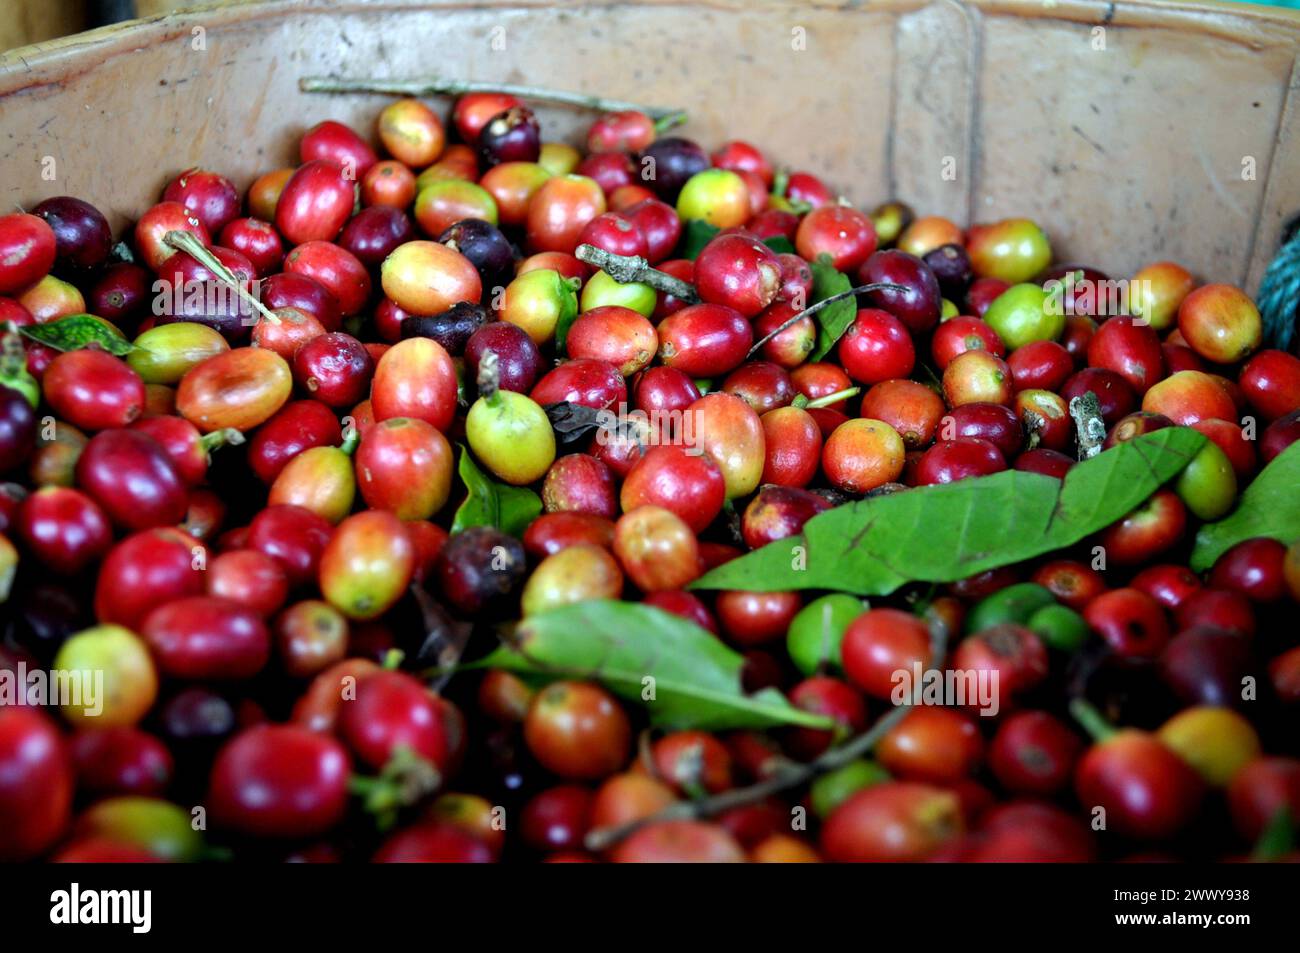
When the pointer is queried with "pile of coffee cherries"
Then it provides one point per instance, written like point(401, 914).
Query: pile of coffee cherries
point(240, 573)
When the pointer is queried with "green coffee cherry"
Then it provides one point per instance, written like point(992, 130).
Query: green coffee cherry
point(815, 634)
point(835, 787)
point(601, 290)
point(1012, 604)
point(1060, 627)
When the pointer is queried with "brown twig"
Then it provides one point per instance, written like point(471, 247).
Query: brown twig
point(626, 269)
point(809, 311)
point(785, 774)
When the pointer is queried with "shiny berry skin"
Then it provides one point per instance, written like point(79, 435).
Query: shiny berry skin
point(316, 202)
point(1220, 323)
point(518, 361)
point(685, 483)
point(739, 272)
point(1130, 349)
point(673, 161)
point(1014, 652)
point(756, 618)
point(876, 347)
point(1167, 583)
point(256, 240)
point(917, 306)
point(478, 567)
point(1146, 532)
point(81, 233)
point(1148, 792)
point(952, 460)
point(64, 528)
point(995, 423)
point(1034, 753)
point(131, 477)
point(334, 368)
point(891, 821)
point(512, 135)
point(1130, 621)
point(880, 643)
point(144, 570)
point(1038, 365)
point(577, 730)
point(207, 637)
point(704, 340)
point(28, 247)
point(1271, 382)
point(116, 761)
point(393, 710)
point(965, 333)
point(280, 781)
point(36, 783)
point(1253, 568)
point(557, 818)
point(840, 231)
point(93, 390)
point(656, 548)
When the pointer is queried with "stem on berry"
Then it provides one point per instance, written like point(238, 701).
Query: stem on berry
point(669, 121)
point(190, 244)
point(813, 309)
point(1090, 428)
point(834, 398)
point(1090, 719)
point(442, 86)
point(784, 774)
point(220, 438)
point(626, 269)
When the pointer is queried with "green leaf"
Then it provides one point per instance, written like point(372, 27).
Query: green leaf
point(1270, 507)
point(489, 503)
point(833, 320)
point(947, 532)
point(779, 244)
point(568, 314)
point(622, 644)
point(77, 331)
point(697, 234)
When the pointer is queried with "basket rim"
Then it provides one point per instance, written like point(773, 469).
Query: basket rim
point(40, 64)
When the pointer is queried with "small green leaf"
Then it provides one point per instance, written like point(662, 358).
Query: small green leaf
point(489, 503)
point(779, 244)
point(697, 234)
point(833, 320)
point(1270, 507)
point(568, 314)
point(947, 532)
point(77, 331)
point(684, 676)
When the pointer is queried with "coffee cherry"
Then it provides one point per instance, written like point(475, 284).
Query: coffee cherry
point(577, 730)
point(892, 821)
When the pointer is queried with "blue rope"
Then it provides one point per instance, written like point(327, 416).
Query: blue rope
point(1279, 293)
